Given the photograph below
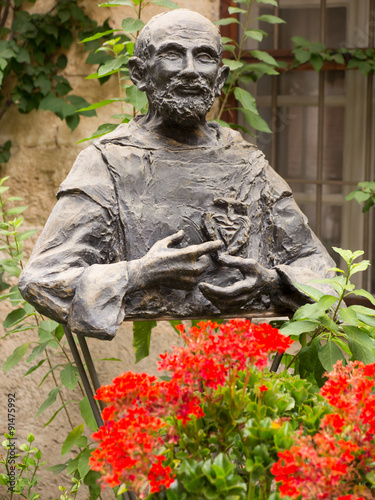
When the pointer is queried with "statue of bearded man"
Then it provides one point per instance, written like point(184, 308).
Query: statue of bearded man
point(171, 216)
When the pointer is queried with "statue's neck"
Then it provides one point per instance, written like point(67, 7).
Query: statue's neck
point(198, 134)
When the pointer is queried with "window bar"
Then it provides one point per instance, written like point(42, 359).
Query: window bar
point(275, 89)
point(321, 101)
point(368, 143)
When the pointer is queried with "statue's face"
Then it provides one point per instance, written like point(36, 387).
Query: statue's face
point(183, 69)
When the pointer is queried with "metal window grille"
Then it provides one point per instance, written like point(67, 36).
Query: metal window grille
point(320, 191)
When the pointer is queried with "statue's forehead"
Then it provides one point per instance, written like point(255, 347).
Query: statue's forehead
point(191, 33)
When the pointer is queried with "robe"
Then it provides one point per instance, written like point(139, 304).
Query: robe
point(133, 187)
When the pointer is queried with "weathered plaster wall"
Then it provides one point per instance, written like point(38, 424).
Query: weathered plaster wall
point(42, 154)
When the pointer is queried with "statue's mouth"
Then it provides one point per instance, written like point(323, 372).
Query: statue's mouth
point(189, 90)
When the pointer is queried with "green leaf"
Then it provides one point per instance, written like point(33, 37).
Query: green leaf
point(348, 315)
point(165, 3)
point(48, 325)
point(236, 10)
point(256, 121)
point(267, 18)
point(15, 357)
point(312, 292)
point(347, 255)
point(112, 66)
point(363, 310)
point(315, 311)
point(226, 21)
point(11, 268)
point(316, 62)
point(343, 345)
point(302, 56)
point(270, 2)
point(87, 414)
point(69, 376)
point(37, 351)
point(299, 327)
point(361, 344)
point(329, 355)
point(13, 318)
point(35, 367)
point(117, 3)
point(97, 76)
point(56, 469)
point(245, 98)
point(72, 121)
point(59, 333)
point(361, 266)
point(83, 462)
point(131, 24)
point(136, 98)
point(98, 35)
point(100, 104)
point(233, 65)
point(255, 34)
point(56, 413)
point(25, 235)
point(16, 210)
point(367, 320)
point(57, 106)
point(141, 338)
point(49, 401)
point(327, 301)
point(103, 129)
point(44, 336)
point(72, 439)
point(264, 56)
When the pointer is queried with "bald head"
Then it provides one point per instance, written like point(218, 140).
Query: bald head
point(182, 23)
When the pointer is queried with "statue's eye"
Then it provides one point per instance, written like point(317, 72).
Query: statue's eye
point(172, 55)
point(204, 57)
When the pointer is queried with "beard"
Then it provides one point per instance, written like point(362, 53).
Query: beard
point(179, 109)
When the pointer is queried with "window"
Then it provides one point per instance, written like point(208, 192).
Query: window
point(323, 124)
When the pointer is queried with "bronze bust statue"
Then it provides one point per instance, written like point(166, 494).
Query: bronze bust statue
point(171, 216)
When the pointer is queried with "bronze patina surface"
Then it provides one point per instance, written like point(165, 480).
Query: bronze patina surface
point(171, 216)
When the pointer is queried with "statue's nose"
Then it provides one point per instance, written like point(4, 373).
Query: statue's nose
point(189, 69)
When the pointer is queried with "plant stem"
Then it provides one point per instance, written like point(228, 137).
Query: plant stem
point(60, 395)
point(251, 492)
point(237, 58)
point(120, 94)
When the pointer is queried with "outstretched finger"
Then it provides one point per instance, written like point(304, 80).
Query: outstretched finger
point(173, 239)
point(238, 262)
point(227, 292)
point(203, 248)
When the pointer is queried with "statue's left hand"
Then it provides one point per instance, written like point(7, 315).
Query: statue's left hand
point(257, 279)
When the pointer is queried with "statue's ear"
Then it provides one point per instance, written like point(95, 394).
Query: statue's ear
point(137, 72)
point(221, 79)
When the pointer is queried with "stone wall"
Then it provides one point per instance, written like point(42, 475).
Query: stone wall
point(42, 154)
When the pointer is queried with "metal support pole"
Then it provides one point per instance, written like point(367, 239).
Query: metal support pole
point(83, 375)
point(276, 362)
point(86, 383)
point(90, 366)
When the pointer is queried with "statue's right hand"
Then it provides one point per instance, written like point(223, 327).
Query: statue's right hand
point(174, 267)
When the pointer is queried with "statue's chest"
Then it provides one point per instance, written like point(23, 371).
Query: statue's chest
point(160, 192)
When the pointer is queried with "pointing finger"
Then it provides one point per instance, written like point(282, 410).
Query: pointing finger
point(239, 288)
point(209, 246)
point(238, 262)
point(174, 239)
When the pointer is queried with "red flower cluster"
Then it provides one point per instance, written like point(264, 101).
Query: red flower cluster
point(337, 459)
point(211, 355)
point(135, 431)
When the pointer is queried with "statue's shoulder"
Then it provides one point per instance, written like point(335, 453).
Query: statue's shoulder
point(124, 130)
